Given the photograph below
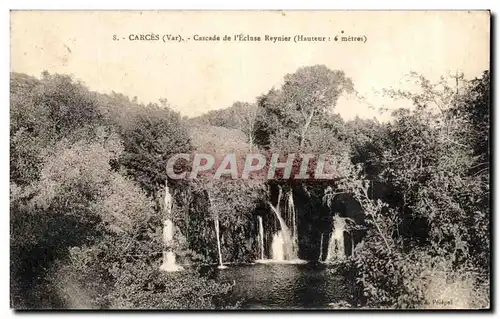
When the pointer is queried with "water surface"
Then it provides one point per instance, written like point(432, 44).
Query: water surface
point(285, 286)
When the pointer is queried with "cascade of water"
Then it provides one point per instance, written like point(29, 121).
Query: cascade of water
point(352, 245)
point(278, 247)
point(321, 248)
point(261, 237)
point(283, 243)
point(168, 263)
point(168, 232)
point(217, 232)
point(293, 214)
point(336, 248)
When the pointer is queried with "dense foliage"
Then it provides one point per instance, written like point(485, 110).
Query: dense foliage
point(87, 175)
point(430, 227)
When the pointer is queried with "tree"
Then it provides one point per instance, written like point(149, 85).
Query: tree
point(150, 137)
point(306, 97)
point(44, 112)
point(83, 234)
point(435, 202)
point(241, 116)
point(245, 115)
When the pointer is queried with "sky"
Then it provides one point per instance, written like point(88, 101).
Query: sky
point(196, 77)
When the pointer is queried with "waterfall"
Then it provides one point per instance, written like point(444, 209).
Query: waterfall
point(261, 237)
point(278, 247)
point(321, 248)
point(168, 232)
point(336, 250)
point(352, 245)
point(168, 263)
point(285, 243)
point(168, 256)
point(217, 232)
point(293, 222)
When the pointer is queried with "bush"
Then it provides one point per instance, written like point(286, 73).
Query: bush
point(93, 279)
point(418, 280)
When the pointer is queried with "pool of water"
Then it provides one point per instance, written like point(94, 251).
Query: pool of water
point(285, 286)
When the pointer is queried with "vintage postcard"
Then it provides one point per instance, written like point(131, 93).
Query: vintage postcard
point(239, 160)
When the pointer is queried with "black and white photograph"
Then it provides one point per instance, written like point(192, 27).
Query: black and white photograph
point(250, 160)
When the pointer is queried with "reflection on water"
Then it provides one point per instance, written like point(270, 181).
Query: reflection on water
point(285, 285)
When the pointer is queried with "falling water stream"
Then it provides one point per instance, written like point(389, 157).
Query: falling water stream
point(336, 248)
point(285, 242)
point(217, 232)
point(168, 256)
point(278, 247)
point(168, 264)
point(261, 237)
point(292, 215)
point(321, 248)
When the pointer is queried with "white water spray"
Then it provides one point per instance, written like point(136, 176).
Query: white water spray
point(217, 232)
point(336, 250)
point(321, 248)
point(285, 242)
point(293, 216)
point(261, 237)
point(168, 263)
point(278, 247)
